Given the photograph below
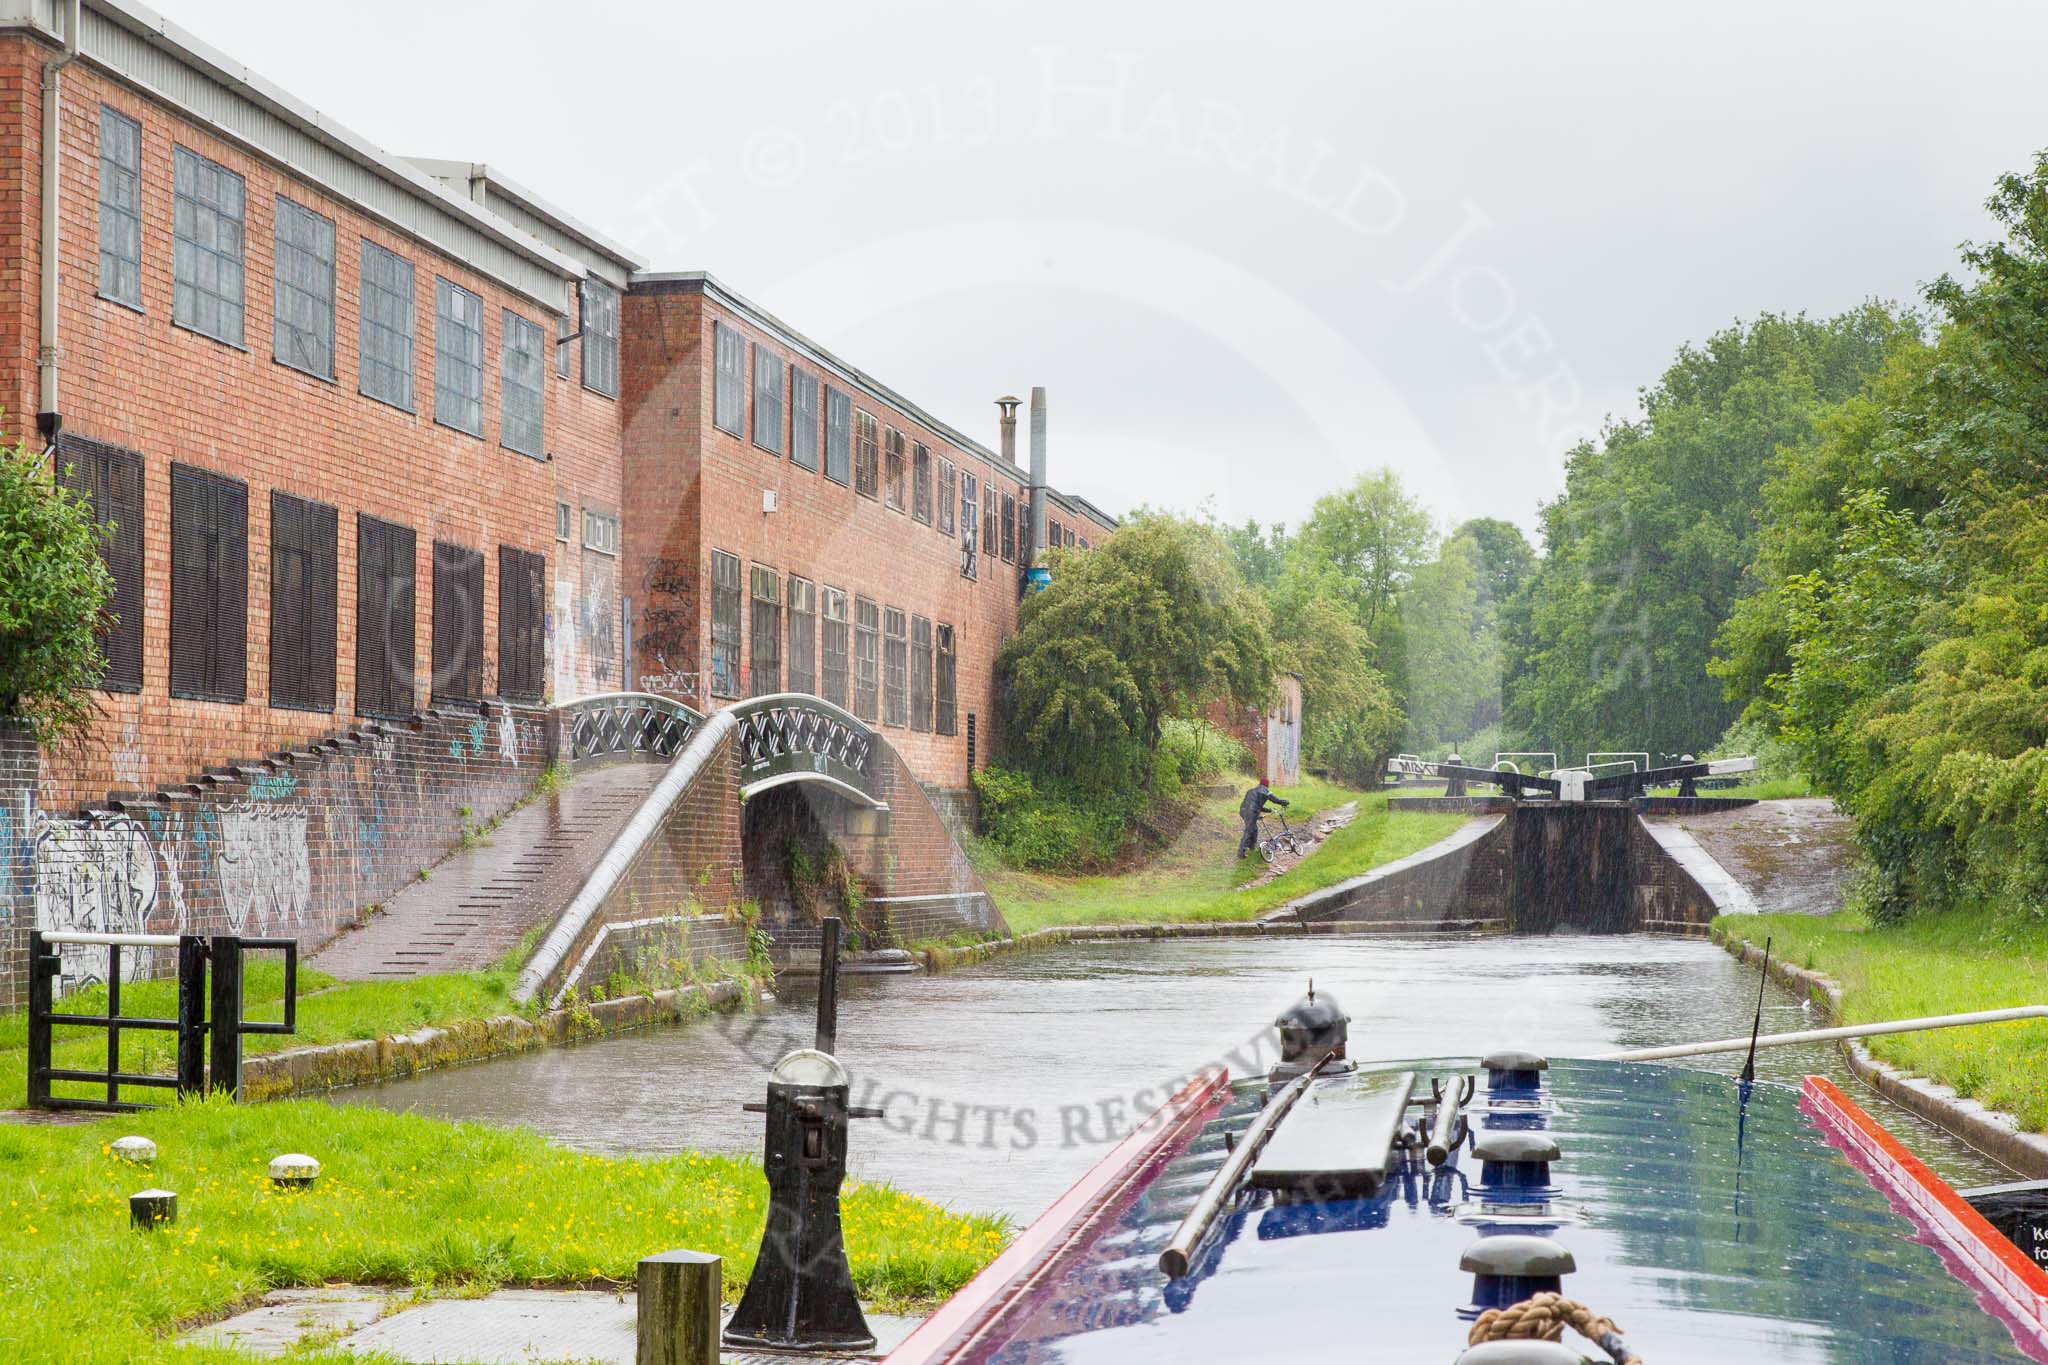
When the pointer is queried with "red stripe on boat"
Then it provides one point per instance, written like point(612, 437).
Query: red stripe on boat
point(1978, 1253)
point(1040, 1249)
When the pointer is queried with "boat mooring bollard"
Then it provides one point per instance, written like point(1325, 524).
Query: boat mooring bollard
point(679, 1306)
point(152, 1209)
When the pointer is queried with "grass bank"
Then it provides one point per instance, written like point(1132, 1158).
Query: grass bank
point(1197, 877)
point(402, 1201)
point(1936, 964)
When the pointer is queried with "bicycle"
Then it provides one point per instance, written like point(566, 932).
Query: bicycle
point(1272, 846)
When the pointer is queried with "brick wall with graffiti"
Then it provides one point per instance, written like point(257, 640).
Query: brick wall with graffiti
point(296, 846)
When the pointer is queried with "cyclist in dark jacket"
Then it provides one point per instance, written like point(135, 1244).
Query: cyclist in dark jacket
point(1250, 809)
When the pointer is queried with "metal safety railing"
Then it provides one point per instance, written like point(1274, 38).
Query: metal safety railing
point(208, 1022)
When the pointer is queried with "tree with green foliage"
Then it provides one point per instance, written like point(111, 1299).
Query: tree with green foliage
point(1449, 649)
point(1897, 624)
point(1606, 646)
point(1157, 622)
point(54, 589)
point(1502, 553)
point(1373, 533)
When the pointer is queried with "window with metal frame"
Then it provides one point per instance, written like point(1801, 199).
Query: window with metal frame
point(386, 299)
point(458, 358)
point(832, 650)
point(948, 489)
point(920, 673)
point(725, 624)
point(522, 385)
point(1008, 529)
point(1052, 534)
point(946, 718)
point(385, 586)
point(206, 247)
point(766, 660)
point(866, 477)
point(1026, 544)
point(896, 669)
point(803, 635)
point(803, 419)
point(600, 337)
point(867, 660)
point(921, 483)
point(892, 470)
point(1084, 542)
point(991, 538)
point(838, 435)
point(302, 336)
point(303, 599)
point(120, 208)
point(970, 521)
point(600, 532)
point(971, 755)
point(768, 380)
point(110, 479)
point(729, 381)
point(522, 624)
point(209, 585)
point(458, 623)
point(1070, 537)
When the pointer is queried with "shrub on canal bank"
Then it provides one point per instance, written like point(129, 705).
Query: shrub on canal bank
point(402, 1201)
point(1934, 964)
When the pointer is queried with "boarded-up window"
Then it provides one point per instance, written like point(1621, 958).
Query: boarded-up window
point(725, 624)
point(803, 635)
point(948, 666)
point(522, 627)
point(866, 478)
point(892, 471)
point(458, 623)
point(768, 375)
point(303, 335)
point(832, 652)
point(600, 338)
point(947, 490)
point(920, 673)
point(970, 520)
point(385, 588)
point(838, 435)
point(1009, 528)
point(110, 479)
point(120, 208)
point(765, 590)
point(729, 389)
point(387, 330)
point(302, 603)
point(209, 585)
point(896, 670)
point(867, 660)
point(522, 390)
point(458, 358)
point(803, 419)
point(921, 483)
point(206, 247)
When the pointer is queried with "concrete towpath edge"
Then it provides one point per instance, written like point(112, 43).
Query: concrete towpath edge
point(1998, 1135)
point(336, 1066)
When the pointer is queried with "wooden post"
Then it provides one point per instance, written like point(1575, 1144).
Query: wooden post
point(679, 1308)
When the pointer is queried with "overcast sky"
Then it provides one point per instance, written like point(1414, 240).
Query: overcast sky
point(1250, 249)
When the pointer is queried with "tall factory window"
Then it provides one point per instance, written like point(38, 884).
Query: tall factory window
point(302, 604)
point(522, 624)
point(866, 481)
point(385, 366)
point(920, 673)
point(729, 387)
point(833, 652)
point(303, 334)
point(600, 337)
point(803, 419)
point(120, 208)
point(206, 247)
point(892, 470)
point(838, 435)
point(767, 628)
point(725, 624)
point(522, 391)
point(384, 618)
point(110, 480)
point(867, 663)
point(458, 623)
point(803, 635)
point(209, 585)
point(895, 674)
point(1009, 528)
point(948, 682)
point(768, 372)
point(458, 358)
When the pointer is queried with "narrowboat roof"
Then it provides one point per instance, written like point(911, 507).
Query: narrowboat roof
point(1712, 1221)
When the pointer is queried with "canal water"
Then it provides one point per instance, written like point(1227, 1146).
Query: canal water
point(1003, 1083)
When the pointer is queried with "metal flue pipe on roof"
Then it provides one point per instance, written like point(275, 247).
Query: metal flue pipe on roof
point(1827, 1035)
point(1030, 556)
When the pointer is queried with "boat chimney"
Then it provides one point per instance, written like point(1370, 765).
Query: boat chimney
point(1310, 1027)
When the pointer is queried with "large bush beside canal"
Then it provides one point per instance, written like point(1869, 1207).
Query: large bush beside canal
point(53, 592)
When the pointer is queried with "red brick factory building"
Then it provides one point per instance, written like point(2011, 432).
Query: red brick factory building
point(383, 435)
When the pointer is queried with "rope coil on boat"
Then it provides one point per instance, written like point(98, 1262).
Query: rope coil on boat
point(1544, 1317)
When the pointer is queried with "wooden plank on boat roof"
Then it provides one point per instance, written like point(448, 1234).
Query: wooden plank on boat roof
point(1339, 1139)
